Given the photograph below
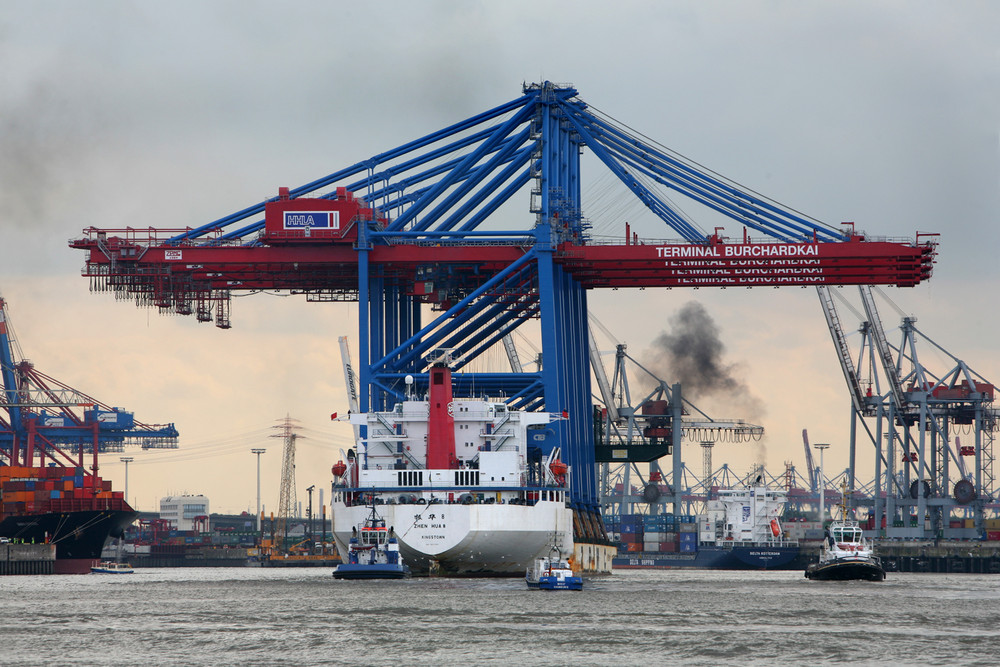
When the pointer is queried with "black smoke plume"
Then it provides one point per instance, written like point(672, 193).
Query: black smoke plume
point(692, 353)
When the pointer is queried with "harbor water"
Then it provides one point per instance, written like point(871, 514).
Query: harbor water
point(254, 616)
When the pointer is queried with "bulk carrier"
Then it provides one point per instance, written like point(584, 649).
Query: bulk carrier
point(456, 481)
point(58, 505)
point(740, 531)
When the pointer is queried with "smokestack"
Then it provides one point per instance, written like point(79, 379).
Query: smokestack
point(440, 425)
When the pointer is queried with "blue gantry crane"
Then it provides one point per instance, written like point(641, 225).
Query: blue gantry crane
point(416, 230)
point(43, 420)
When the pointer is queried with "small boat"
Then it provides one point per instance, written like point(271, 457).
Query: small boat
point(373, 553)
point(111, 567)
point(846, 554)
point(553, 574)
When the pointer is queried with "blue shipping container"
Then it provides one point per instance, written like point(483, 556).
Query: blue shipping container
point(688, 547)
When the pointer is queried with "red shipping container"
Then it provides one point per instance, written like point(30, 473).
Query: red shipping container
point(993, 535)
point(668, 547)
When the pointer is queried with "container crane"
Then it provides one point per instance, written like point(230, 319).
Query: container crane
point(915, 414)
point(809, 462)
point(408, 228)
point(648, 428)
point(45, 420)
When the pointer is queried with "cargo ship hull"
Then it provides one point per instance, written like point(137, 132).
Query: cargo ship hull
point(62, 506)
point(762, 557)
point(468, 539)
point(79, 536)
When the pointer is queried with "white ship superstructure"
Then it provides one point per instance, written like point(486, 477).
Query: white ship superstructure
point(749, 515)
point(454, 480)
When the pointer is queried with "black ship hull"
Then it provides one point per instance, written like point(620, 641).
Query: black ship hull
point(846, 570)
point(79, 536)
point(784, 557)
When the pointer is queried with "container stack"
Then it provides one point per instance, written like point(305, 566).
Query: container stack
point(26, 490)
point(657, 533)
point(803, 530)
point(688, 535)
point(655, 526)
point(992, 528)
point(632, 532)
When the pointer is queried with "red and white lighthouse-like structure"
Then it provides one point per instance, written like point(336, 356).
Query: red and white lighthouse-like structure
point(440, 423)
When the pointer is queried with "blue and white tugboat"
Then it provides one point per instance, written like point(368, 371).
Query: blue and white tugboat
point(115, 566)
point(111, 567)
point(373, 553)
point(846, 554)
point(553, 574)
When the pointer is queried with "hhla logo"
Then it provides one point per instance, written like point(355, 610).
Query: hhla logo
point(312, 219)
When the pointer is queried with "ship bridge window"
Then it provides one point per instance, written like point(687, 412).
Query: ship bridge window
point(410, 478)
point(370, 537)
point(466, 478)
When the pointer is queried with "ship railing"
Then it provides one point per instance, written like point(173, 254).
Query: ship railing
point(768, 543)
point(390, 436)
point(749, 543)
point(452, 495)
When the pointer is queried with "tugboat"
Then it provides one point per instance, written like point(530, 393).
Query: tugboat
point(373, 553)
point(846, 554)
point(553, 574)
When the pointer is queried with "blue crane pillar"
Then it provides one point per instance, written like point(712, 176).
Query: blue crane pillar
point(566, 375)
point(562, 300)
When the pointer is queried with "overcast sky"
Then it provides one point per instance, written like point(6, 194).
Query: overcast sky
point(119, 114)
